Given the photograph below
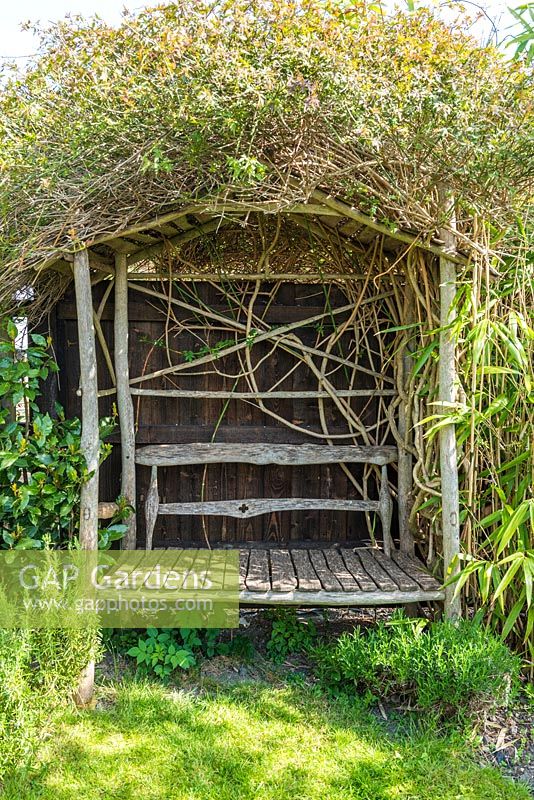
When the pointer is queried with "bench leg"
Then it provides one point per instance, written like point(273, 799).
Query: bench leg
point(385, 510)
point(151, 507)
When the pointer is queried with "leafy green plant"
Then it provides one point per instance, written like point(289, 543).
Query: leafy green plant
point(289, 635)
point(160, 653)
point(439, 665)
point(42, 467)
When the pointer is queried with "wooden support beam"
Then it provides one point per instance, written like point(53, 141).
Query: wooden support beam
point(124, 398)
point(450, 496)
point(90, 439)
point(345, 210)
point(272, 277)
point(385, 509)
point(273, 395)
point(151, 507)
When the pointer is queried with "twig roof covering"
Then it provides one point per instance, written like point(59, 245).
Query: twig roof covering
point(258, 104)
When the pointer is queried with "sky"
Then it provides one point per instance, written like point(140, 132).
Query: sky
point(15, 43)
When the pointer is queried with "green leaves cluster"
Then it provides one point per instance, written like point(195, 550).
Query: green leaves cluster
point(42, 467)
point(290, 635)
point(202, 99)
point(162, 652)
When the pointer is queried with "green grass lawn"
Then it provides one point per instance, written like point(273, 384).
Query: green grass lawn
point(251, 741)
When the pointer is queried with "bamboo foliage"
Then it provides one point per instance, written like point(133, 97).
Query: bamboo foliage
point(494, 420)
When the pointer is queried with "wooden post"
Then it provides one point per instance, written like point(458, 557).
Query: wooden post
point(405, 463)
point(124, 398)
point(450, 496)
point(90, 440)
point(385, 510)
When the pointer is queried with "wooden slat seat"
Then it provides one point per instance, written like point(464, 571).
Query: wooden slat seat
point(333, 576)
point(297, 574)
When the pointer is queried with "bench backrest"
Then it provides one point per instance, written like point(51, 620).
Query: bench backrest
point(212, 453)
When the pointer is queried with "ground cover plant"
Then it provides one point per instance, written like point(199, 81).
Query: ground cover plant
point(165, 651)
point(251, 741)
point(289, 634)
point(450, 668)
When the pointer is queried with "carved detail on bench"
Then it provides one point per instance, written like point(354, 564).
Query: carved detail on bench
point(254, 507)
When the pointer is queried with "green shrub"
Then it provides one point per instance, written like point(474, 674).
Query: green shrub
point(39, 671)
point(289, 635)
point(436, 665)
point(42, 467)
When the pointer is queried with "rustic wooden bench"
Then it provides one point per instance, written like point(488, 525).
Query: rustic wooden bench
point(168, 455)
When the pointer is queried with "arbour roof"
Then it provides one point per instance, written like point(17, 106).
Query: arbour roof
point(193, 113)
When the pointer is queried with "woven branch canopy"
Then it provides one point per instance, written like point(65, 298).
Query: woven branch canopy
point(192, 115)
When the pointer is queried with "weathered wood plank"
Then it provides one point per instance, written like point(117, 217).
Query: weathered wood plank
point(208, 453)
point(329, 582)
point(267, 395)
point(283, 575)
point(416, 570)
point(373, 568)
point(124, 399)
point(254, 507)
point(338, 599)
point(307, 579)
point(337, 566)
point(355, 567)
point(403, 581)
point(258, 579)
point(244, 555)
point(151, 507)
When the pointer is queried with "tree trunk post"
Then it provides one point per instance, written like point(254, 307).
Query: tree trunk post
point(124, 398)
point(90, 440)
point(447, 436)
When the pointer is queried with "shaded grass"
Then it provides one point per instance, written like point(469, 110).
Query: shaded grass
point(247, 742)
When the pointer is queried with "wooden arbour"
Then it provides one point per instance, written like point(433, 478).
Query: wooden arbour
point(139, 245)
